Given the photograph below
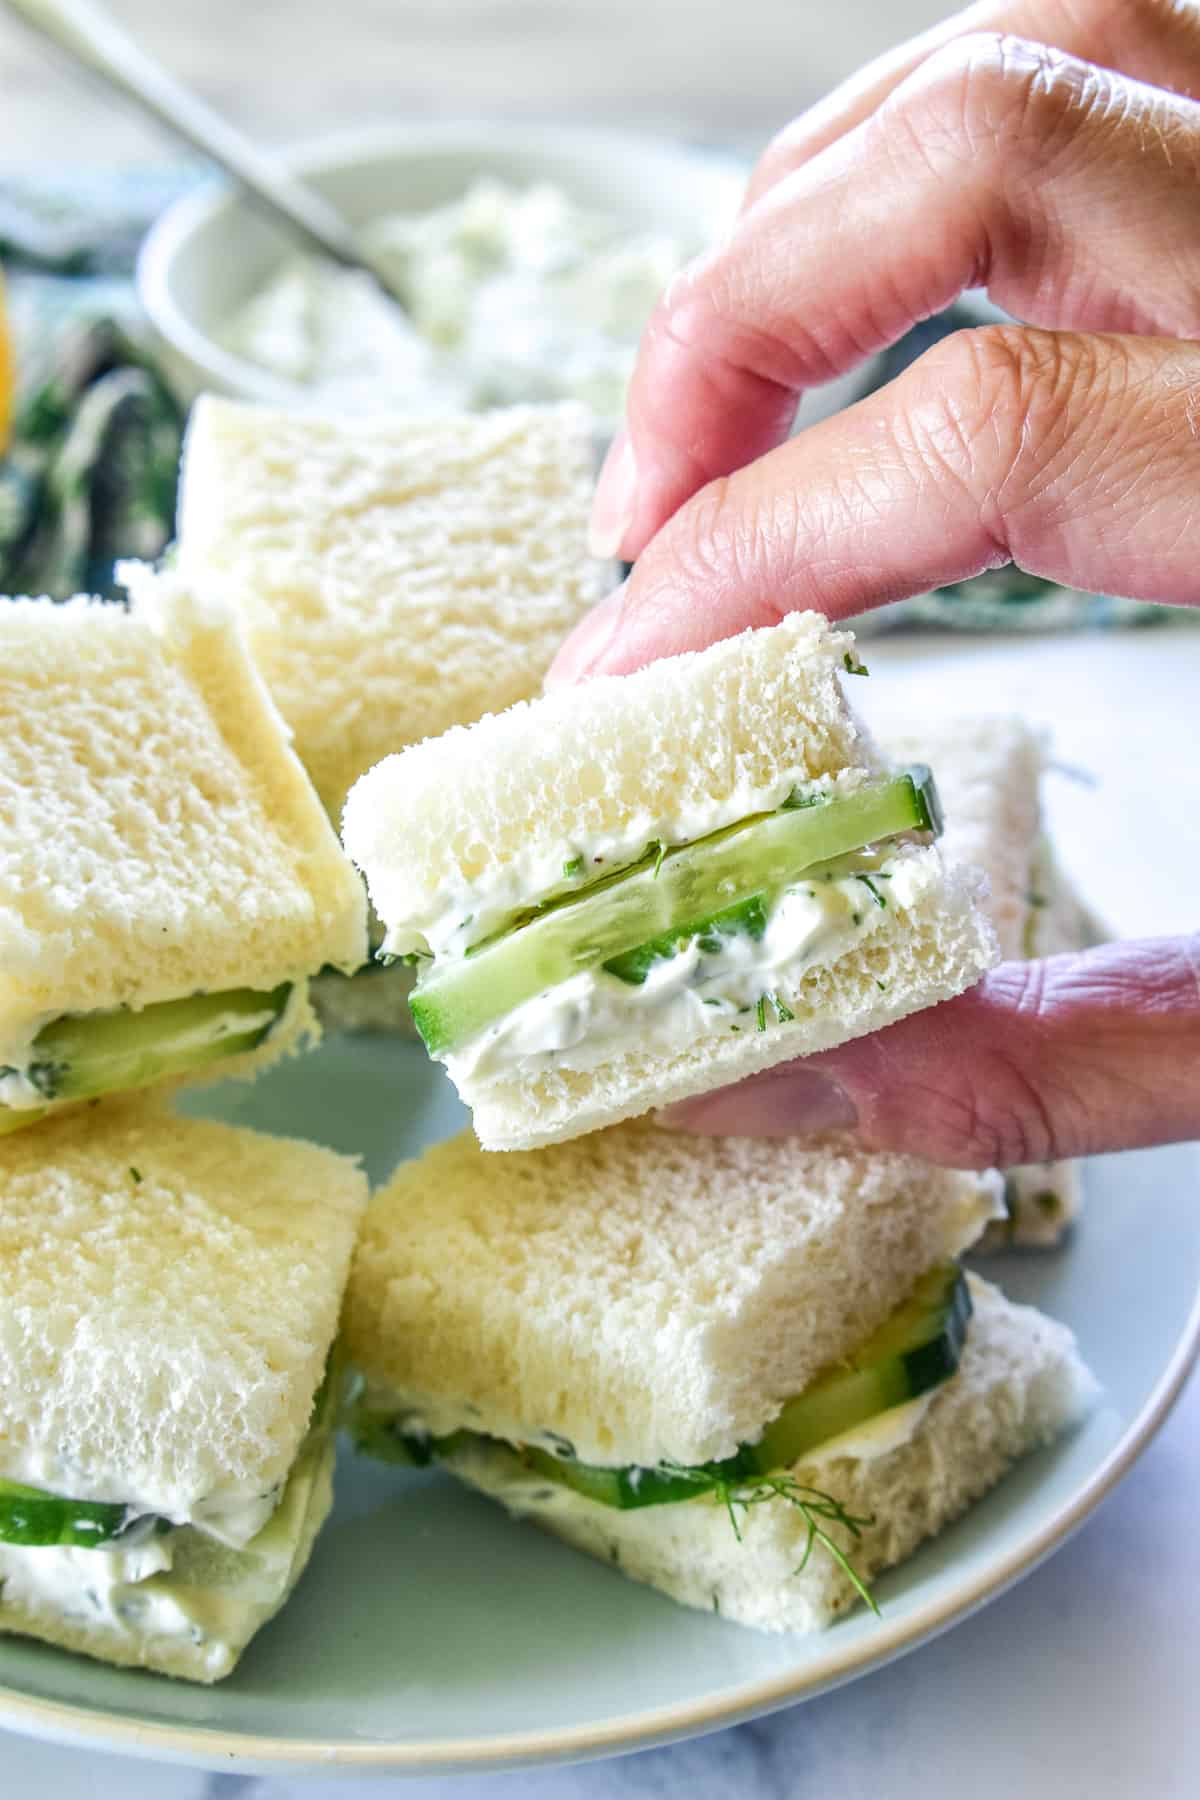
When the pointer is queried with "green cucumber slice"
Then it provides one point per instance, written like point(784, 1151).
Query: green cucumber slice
point(642, 907)
point(85, 1054)
point(31, 1517)
point(748, 917)
point(915, 1349)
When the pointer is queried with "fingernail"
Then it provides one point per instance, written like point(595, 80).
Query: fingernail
point(798, 1103)
point(588, 642)
point(612, 507)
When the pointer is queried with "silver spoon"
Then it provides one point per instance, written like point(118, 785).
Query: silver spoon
point(88, 35)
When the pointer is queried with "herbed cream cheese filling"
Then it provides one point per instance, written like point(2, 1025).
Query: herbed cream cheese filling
point(474, 910)
point(584, 1020)
point(174, 1584)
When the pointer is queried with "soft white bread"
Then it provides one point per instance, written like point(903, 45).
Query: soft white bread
point(682, 747)
point(169, 1289)
point(647, 1295)
point(926, 949)
point(988, 771)
point(394, 576)
point(670, 753)
point(157, 835)
point(1042, 1201)
point(194, 1619)
point(1019, 1385)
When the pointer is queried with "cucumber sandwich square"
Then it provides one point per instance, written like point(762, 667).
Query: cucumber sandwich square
point(747, 1372)
point(649, 886)
point(169, 1295)
point(168, 879)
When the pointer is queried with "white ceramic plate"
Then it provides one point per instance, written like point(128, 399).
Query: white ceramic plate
point(432, 1633)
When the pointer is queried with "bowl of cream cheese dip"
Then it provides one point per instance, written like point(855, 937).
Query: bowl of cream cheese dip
point(529, 260)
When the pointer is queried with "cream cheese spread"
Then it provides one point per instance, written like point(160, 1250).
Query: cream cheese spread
point(177, 1584)
point(513, 295)
point(742, 986)
point(229, 1517)
point(473, 912)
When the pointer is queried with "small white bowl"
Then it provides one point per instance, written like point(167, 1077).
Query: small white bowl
point(211, 251)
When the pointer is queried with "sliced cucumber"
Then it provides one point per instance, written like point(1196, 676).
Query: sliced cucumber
point(916, 1349)
point(748, 918)
point(84, 1054)
point(639, 909)
point(34, 1518)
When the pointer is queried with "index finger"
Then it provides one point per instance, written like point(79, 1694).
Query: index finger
point(1156, 41)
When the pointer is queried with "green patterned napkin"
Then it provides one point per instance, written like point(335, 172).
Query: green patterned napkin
point(91, 468)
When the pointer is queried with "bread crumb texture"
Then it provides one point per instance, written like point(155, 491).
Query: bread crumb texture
point(394, 576)
point(169, 1289)
point(644, 1294)
point(988, 771)
point(1020, 1385)
point(922, 952)
point(617, 758)
point(157, 835)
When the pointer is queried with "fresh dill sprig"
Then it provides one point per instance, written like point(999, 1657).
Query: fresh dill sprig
point(573, 868)
point(783, 1011)
point(136, 1174)
point(852, 665)
point(760, 1013)
point(874, 892)
point(818, 1510)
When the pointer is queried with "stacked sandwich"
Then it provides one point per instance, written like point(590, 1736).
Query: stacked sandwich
point(393, 577)
point(752, 1374)
point(170, 1289)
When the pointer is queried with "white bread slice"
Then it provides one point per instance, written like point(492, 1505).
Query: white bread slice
point(394, 576)
point(1020, 1385)
point(193, 1620)
point(169, 1289)
point(988, 771)
point(686, 745)
point(647, 1295)
point(158, 837)
point(484, 819)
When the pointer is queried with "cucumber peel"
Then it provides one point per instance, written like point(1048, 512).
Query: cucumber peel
point(914, 1351)
point(31, 1517)
point(626, 918)
point(82, 1055)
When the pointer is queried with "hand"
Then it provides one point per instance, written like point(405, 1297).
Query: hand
point(1059, 168)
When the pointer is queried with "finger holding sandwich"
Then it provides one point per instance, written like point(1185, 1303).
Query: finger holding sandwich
point(1065, 188)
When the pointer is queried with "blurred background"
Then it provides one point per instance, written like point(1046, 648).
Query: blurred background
point(534, 291)
point(290, 68)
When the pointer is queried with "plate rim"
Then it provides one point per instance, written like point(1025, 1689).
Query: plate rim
point(84, 1727)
